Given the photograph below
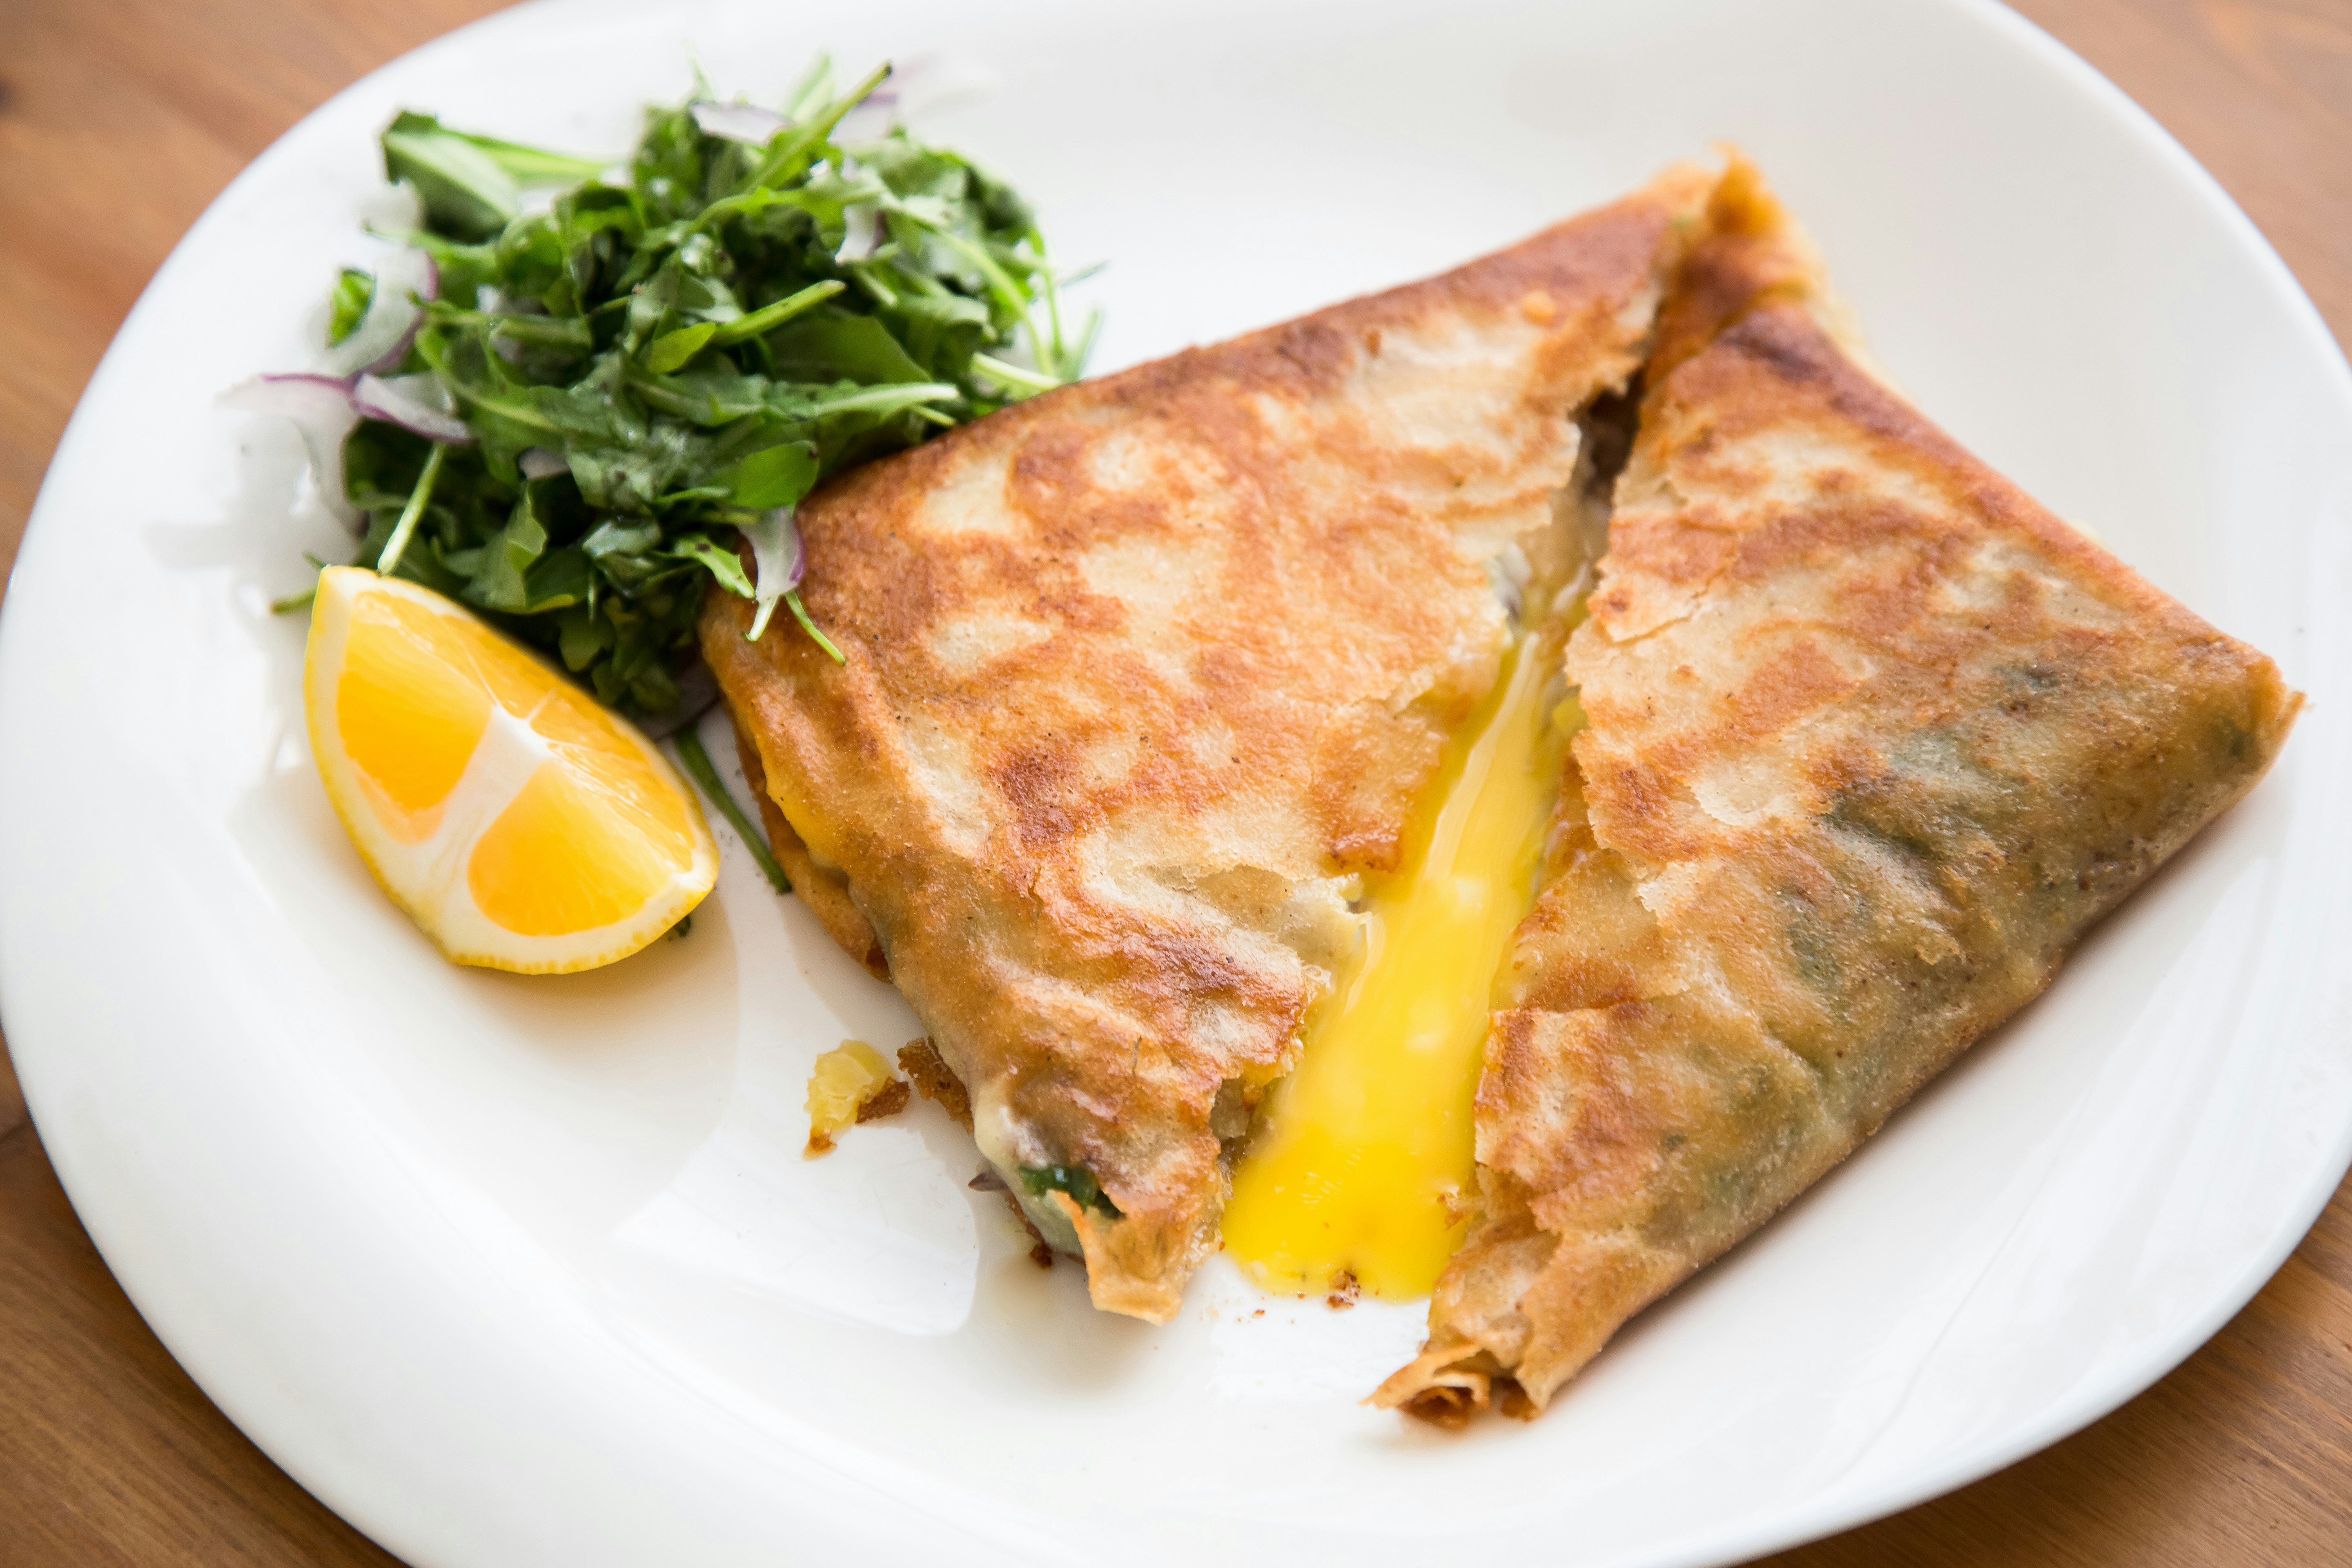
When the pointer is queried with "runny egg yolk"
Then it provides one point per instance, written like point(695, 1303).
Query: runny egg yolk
point(1363, 1160)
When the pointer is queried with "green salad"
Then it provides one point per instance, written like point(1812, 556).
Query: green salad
point(571, 413)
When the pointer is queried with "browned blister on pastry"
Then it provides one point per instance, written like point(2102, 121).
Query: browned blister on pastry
point(1873, 738)
point(1141, 672)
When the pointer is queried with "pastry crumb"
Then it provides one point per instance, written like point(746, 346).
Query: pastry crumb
point(921, 1061)
point(1344, 1291)
point(888, 1101)
point(850, 1084)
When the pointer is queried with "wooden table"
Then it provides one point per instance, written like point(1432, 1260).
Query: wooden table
point(119, 119)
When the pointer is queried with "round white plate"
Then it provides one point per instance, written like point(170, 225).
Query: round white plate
point(514, 1271)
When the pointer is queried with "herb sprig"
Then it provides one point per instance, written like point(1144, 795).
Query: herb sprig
point(650, 369)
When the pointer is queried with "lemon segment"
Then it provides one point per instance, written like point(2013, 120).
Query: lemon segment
point(518, 824)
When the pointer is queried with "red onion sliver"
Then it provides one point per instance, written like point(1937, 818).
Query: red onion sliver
point(777, 559)
point(383, 338)
point(321, 408)
point(397, 402)
point(539, 463)
point(738, 122)
point(799, 567)
point(312, 398)
point(916, 89)
point(861, 231)
point(428, 290)
point(870, 122)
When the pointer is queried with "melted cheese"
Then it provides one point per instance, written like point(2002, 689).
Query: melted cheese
point(1363, 1160)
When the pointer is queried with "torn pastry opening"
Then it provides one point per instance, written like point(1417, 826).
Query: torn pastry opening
point(1362, 1165)
point(1149, 676)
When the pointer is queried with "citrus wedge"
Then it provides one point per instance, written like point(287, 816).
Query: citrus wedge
point(518, 824)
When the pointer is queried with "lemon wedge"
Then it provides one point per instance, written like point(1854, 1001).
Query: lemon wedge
point(518, 824)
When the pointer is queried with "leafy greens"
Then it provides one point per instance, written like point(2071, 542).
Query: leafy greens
point(653, 369)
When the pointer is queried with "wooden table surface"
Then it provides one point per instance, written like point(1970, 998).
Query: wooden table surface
point(119, 119)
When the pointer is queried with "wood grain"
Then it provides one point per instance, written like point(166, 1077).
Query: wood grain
point(119, 119)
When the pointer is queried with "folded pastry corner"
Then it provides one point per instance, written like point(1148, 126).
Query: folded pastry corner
point(1871, 738)
point(1143, 672)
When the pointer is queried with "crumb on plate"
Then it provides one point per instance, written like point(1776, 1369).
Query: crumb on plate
point(850, 1084)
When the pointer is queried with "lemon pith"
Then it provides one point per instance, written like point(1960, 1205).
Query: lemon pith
point(518, 824)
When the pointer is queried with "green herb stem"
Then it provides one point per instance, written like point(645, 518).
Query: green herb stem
point(1013, 375)
point(869, 279)
point(698, 767)
point(767, 318)
point(1010, 294)
point(791, 157)
point(890, 397)
point(799, 614)
point(418, 499)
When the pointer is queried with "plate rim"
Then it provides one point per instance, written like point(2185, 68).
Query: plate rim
point(144, 1280)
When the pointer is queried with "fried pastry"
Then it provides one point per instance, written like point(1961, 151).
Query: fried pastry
point(1871, 739)
point(1145, 673)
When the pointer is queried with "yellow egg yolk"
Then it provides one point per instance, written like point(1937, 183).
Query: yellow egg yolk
point(1363, 1160)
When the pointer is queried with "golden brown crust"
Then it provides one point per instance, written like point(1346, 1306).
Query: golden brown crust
point(1141, 670)
point(1873, 740)
point(885, 1103)
point(823, 892)
point(931, 1076)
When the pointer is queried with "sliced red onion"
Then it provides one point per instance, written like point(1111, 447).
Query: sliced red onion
point(871, 117)
point(870, 121)
point(390, 209)
point(424, 388)
point(861, 229)
point(321, 407)
point(309, 399)
point(539, 463)
point(742, 122)
point(382, 339)
point(404, 402)
point(795, 573)
point(777, 559)
point(915, 89)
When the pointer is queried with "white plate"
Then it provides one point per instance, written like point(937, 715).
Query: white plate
point(519, 1271)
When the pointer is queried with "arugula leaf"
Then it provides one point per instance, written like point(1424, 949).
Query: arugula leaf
point(774, 476)
point(842, 347)
point(470, 185)
point(672, 350)
point(723, 564)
